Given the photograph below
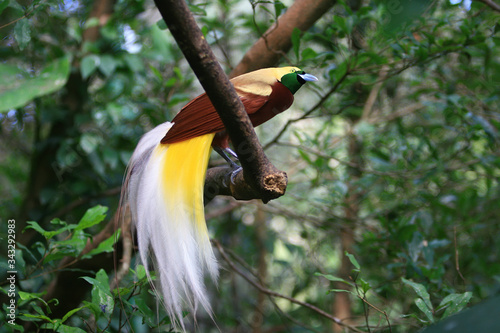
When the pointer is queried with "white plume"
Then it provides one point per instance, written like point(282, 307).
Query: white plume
point(164, 188)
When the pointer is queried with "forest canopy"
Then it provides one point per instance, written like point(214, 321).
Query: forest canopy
point(391, 217)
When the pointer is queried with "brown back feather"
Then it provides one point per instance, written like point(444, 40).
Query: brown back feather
point(199, 117)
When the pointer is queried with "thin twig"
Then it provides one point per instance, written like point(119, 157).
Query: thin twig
point(378, 310)
point(365, 303)
point(128, 244)
point(457, 264)
point(81, 201)
point(269, 292)
point(230, 206)
point(372, 97)
point(267, 33)
point(19, 18)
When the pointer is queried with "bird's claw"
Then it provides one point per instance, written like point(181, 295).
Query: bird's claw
point(235, 167)
point(231, 152)
point(234, 173)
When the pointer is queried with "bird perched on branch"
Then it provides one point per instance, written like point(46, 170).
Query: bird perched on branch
point(165, 179)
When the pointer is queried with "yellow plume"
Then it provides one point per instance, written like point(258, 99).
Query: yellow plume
point(165, 191)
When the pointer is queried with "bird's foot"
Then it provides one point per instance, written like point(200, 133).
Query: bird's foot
point(234, 167)
point(222, 152)
point(235, 171)
point(231, 152)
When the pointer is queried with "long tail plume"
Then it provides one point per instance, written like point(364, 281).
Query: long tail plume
point(164, 187)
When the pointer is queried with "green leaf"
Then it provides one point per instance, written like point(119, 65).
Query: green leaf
point(305, 157)
point(198, 9)
point(455, 303)
point(71, 312)
point(105, 246)
point(334, 278)
point(296, 41)
point(24, 296)
point(93, 216)
point(20, 89)
point(353, 261)
point(205, 30)
point(22, 33)
point(140, 272)
point(425, 309)
point(340, 291)
point(38, 316)
point(58, 327)
point(278, 7)
point(89, 142)
point(421, 291)
point(161, 24)
point(101, 294)
point(156, 73)
point(35, 226)
point(143, 307)
point(20, 262)
point(88, 65)
point(340, 71)
point(308, 53)
point(47, 234)
point(96, 309)
point(67, 247)
point(108, 65)
point(340, 23)
point(365, 286)
point(412, 315)
point(3, 5)
point(482, 317)
point(133, 62)
point(91, 22)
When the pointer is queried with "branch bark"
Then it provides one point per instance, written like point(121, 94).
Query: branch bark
point(266, 181)
point(277, 40)
point(493, 5)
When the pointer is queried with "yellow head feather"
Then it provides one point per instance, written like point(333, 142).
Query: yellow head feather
point(259, 82)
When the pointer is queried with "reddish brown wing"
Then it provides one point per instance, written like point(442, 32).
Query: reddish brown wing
point(199, 117)
point(280, 99)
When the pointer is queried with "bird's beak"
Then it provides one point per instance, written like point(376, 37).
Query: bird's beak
point(308, 77)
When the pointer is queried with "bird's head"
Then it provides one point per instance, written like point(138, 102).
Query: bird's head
point(294, 78)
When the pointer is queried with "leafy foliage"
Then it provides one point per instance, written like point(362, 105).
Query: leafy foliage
point(396, 148)
point(45, 258)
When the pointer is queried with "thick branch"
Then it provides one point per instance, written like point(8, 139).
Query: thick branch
point(493, 5)
point(258, 172)
point(277, 40)
point(219, 182)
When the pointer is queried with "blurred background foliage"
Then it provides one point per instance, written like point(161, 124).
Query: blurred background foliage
point(392, 157)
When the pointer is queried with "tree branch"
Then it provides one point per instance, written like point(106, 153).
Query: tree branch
point(493, 5)
point(272, 293)
point(266, 181)
point(277, 40)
